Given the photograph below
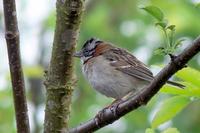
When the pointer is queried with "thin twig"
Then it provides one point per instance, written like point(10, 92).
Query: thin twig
point(12, 39)
point(108, 116)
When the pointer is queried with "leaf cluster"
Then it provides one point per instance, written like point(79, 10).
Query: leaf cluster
point(179, 100)
point(171, 44)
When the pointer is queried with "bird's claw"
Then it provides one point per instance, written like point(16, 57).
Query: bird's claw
point(114, 109)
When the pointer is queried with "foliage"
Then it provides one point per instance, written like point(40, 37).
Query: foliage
point(169, 31)
point(168, 130)
point(181, 97)
point(169, 108)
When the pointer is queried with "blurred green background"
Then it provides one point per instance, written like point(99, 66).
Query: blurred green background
point(121, 22)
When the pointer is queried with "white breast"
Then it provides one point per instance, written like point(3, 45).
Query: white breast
point(107, 80)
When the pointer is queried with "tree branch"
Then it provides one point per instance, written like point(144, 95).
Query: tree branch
point(12, 39)
point(108, 116)
point(59, 76)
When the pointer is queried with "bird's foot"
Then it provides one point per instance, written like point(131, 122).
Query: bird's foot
point(113, 108)
point(99, 115)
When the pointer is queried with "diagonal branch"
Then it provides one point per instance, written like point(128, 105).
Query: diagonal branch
point(108, 116)
point(12, 39)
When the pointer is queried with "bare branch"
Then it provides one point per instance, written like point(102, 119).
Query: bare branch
point(108, 116)
point(12, 39)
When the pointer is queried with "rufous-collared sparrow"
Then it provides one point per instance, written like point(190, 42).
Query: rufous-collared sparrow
point(113, 71)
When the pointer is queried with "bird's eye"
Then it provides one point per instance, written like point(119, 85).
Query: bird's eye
point(87, 52)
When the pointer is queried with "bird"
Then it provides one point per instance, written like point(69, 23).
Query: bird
point(113, 71)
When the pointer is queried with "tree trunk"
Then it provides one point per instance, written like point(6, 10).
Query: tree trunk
point(59, 75)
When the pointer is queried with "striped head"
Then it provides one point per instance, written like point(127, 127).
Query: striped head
point(88, 49)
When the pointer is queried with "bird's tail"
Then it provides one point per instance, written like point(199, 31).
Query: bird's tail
point(176, 84)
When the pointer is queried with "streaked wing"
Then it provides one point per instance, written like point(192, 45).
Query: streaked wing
point(129, 64)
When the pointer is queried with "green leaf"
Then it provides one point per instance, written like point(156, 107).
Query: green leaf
point(171, 130)
point(179, 42)
point(171, 27)
point(169, 109)
point(190, 75)
point(159, 51)
point(169, 89)
point(149, 130)
point(189, 90)
point(162, 24)
point(172, 37)
point(155, 12)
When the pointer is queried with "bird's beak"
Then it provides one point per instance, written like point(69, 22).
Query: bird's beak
point(78, 54)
